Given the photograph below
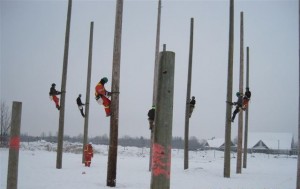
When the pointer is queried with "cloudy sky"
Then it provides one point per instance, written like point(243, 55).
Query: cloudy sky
point(32, 46)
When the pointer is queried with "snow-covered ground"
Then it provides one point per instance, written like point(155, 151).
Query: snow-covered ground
point(37, 169)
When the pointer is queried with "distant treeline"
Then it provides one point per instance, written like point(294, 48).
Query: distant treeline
point(177, 142)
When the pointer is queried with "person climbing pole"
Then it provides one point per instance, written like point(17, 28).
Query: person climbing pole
point(192, 105)
point(102, 96)
point(80, 105)
point(88, 154)
point(151, 117)
point(238, 104)
point(52, 94)
point(246, 99)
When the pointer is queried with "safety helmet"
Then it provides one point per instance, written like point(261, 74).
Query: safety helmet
point(53, 84)
point(238, 94)
point(193, 97)
point(104, 79)
point(79, 95)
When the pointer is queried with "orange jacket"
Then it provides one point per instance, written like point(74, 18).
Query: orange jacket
point(100, 90)
point(88, 150)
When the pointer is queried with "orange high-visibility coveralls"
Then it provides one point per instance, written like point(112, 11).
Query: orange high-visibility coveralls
point(101, 92)
point(245, 103)
point(88, 154)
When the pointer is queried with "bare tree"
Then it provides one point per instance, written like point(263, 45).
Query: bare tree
point(5, 123)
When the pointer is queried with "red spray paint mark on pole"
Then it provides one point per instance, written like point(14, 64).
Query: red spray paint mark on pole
point(161, 161)
point(14, 142)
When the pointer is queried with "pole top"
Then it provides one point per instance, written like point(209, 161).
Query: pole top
point(164, 47)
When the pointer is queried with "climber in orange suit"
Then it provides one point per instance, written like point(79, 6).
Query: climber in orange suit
point(88, 154)
point(102, 95)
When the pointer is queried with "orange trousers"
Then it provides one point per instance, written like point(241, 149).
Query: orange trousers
point(87, 160)
point(56, 100)
point(106, 104)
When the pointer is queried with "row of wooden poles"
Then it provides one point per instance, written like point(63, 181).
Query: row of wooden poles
point(229, 96)
point(227, 149)
point(163, 99)
point(164, 72)
point(161, 134)
point(163, 92)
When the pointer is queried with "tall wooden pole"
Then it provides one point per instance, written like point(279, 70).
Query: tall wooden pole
point(155, 75)
point(241, 87)
point(88, 87)
point(188, 97)
point(229, 94)
point(298, 165)
point(63, 90)
point(156, 54)
point(246, 116)
point(14, 145)
point(160, 177)
point(114, 119)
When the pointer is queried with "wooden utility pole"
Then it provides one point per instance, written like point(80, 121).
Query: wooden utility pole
point(114, 119)
point(63, 90)
point(88, 87)
point(298, 165)
point(229, 94)
point(155, 75)
point(241, 86)
point(156, 53)
point(246, 116)
point(188, 98)
point(160, 177)
point(14, 145)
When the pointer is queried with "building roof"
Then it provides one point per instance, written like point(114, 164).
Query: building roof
point(216, 143)
point(282, 141)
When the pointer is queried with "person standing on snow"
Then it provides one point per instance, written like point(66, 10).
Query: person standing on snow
point(80, 105)
point(88, 154)
point(101, 95)
point(52, 94)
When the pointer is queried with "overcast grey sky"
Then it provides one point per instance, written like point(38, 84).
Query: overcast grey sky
point(32, 45)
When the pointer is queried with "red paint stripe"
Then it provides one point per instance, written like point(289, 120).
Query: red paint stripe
point(14, 142)
point(161, 161)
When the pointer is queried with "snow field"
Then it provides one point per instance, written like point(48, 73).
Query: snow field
point(37, 169)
